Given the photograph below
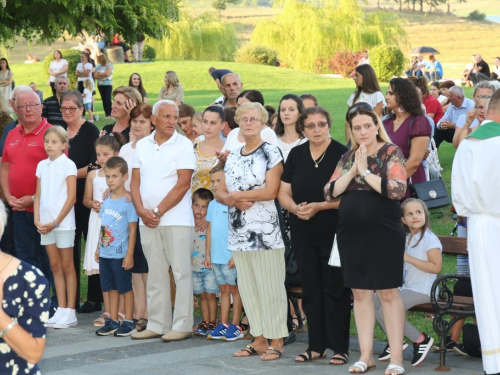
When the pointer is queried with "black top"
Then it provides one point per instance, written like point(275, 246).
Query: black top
point(52, 111)
point(125, 132)
point(307, 186)
point(219, 73)
point(82, 153)
point(486, 68)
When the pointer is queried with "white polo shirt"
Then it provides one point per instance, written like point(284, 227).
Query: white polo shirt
point(158, 166)
point(54, 190)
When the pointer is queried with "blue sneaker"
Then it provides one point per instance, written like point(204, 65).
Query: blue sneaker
point(201, 329)
point(210, 328)
point(110, 326)
point(218, 332)
point(233, 333)
point(125, 329)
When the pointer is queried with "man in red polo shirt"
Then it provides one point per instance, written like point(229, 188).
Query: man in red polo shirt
point(23, 150)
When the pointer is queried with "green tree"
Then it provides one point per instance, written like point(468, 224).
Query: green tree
point(47, 20)
point(305, 32)
point(448, 4)
point(221, 5)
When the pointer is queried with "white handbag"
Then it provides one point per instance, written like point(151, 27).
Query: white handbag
point(334, 260)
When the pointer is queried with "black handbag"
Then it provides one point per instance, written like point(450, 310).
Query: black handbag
point(433, 193)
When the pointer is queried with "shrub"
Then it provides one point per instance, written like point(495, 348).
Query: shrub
point(149, 53)
point(73, 58)
point(387, 61)
point(476, 16)
point(256, 54)
point(344, 62)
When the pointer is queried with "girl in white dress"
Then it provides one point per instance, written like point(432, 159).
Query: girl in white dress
point(287, 125)
point(106, 146)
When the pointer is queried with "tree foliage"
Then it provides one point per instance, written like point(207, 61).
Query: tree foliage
point(221, 5)
point(205, 37)
point(306, 31)
point(73, 58)
point(252, 54)
point(47, 20)
point(387, 61)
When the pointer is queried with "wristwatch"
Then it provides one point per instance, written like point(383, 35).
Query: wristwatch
point(156, 211)
point(367, 172)
point(56, 225)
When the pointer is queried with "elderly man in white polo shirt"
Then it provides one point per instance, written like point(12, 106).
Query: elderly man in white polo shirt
point(161, 180)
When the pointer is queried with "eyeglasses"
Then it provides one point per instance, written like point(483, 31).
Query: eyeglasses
point(360, 106)
point(68, 109)
point(251, 120)
point(320, 125)
point(479, 108)
point(30, 106)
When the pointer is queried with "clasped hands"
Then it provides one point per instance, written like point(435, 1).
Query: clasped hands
point(360, 164)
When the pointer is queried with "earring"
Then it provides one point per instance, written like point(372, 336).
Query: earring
point(400, 109)
point(376, 133)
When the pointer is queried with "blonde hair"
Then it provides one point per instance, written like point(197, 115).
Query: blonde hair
point(382, 134)
point(172, 79)
point(60, 132)
point(88, 85)
point(198, 116)
point(264, 115)
point(102, 59)
point(129, 92)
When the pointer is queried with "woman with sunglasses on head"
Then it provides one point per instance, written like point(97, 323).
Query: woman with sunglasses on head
point(313, 222)
point(369, 181)
point(407, 127)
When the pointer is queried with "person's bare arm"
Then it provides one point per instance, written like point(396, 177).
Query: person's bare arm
point(4, 181)
point(148, 216)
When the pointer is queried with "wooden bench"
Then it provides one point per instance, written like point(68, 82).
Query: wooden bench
point(442, 301)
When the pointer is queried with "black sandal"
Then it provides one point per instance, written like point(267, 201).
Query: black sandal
point(309, 356)
point(249, 349)
point(343, 357)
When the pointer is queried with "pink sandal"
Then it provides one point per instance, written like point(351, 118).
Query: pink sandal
point(99, 322)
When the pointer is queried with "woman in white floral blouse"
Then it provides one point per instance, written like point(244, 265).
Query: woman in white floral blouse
point(24, 292)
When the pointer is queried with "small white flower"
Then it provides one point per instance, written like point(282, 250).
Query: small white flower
point(21, 311)
point(4, 348)
point(28, 322)
point(30, 276)
point(44, 316)
point(25, 294)
point(39, 290)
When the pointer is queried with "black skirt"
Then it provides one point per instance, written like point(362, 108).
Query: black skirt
point(371, 241)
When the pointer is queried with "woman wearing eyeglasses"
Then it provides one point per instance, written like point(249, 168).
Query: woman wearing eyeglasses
point(313, 223)
point(251, 183)
point(369, 181)
point(82, 136)
point(473, 120)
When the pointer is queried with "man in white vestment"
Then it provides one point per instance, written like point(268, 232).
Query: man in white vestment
point(476, 194)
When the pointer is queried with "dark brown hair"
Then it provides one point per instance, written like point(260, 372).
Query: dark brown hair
point(314, 111)
point(370, 82)
point(141, 109)
point(280, 127)
point(185, 110)
point(406, 95)
point(117, 162)
point(113, 140)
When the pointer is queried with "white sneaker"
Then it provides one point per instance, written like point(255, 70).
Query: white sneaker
point(57, 315)
point(67, 320)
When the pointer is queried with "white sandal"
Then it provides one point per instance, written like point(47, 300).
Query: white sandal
point(395, 370)
point(360, 366)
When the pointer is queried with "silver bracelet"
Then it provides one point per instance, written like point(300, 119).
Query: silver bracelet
point(8, 328)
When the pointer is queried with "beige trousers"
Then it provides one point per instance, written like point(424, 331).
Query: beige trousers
point(261, 283)
point(164, 247)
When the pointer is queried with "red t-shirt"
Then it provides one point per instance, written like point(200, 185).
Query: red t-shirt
point(433, 106)
point(23, 151)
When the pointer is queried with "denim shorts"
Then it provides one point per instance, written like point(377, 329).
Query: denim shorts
point(224, 274)
point(204, 282)
point(87, 106)
point(114, 276)
point(63, 239)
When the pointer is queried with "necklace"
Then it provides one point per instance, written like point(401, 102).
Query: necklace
point(4, 267)
point(253, 149)
point(317, 163)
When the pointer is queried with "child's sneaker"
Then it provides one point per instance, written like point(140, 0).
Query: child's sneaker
point(57, 315)
point(421, 350)
point(110, 326)
point(201, 329)
point(233, 333)
point(96, 117)
point(67, 319)
point(218, 332)
point(126, 329)
point(210, 328)
point(386, 354)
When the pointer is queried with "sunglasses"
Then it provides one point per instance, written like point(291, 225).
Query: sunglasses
point(360, 106)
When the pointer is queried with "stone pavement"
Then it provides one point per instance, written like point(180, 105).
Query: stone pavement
point(79, 350)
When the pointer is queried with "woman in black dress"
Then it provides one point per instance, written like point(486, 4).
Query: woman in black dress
point(370, 179)
point(313, 223)
point(82, 136)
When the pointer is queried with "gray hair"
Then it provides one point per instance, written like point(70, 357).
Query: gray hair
point(17, 90)
point(158, 104)
point(73, 95)
point(36, 98)
point(457, 91)
point(483, 85)
point(228, 74)
point(3, 218)
point(59, 78)
point(495, 84)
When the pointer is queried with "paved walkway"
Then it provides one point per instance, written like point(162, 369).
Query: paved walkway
point(79, 350)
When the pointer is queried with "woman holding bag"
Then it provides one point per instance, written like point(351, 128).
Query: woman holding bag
point(313, 223)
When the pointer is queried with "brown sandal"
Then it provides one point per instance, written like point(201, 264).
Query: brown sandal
point(247, 349)
point(274, 352)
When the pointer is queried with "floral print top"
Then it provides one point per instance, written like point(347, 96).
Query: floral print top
point(201, 175)
point(388, 162)
point(25, 297)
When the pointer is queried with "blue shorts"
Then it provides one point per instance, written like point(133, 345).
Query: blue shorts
point(204, 282)
point(224, 274)
point(87, 106)
point(63, 239)
point(114, 276)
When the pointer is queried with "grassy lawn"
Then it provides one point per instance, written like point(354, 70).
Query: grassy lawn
point(200, 91)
